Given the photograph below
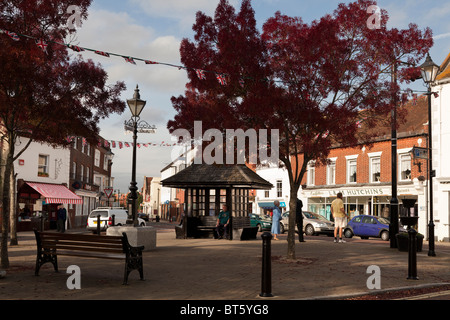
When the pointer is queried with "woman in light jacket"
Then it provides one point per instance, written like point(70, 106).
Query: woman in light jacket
point(276, 217)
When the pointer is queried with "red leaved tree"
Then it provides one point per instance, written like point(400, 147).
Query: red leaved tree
point(45, 95)
point(312, 82)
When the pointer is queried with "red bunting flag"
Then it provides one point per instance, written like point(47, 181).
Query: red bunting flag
point(12, 35)
point(200, 74)
point(150, 62)
point(130, 60)
point(221, 79)
point(75, 48)
point(105, 54)
point(42, 45)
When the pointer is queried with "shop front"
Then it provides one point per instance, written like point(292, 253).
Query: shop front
point(368, 200)
point(266, 207)
point(37, 204)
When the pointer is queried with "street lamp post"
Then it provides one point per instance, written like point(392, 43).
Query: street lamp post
point(136, 106)
point(429, 72)
point(393, 226)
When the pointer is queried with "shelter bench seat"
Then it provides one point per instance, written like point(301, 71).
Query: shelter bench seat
point(50, 245)
point(206, 226)
point(197, 227)
point(242, 229)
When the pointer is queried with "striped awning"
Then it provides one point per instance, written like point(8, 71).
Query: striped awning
point(56, 193)
point(271, 205)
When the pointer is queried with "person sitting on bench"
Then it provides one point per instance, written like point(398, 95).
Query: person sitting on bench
point(223, 222)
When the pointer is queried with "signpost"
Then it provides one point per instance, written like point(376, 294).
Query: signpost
point(108, 191)
point(420, 153)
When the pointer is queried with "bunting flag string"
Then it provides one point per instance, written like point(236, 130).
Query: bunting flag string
point(123, 144)
point(221, 77)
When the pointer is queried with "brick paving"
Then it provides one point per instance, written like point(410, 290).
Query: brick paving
point(208, 269)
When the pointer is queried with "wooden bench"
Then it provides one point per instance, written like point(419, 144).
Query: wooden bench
point(50, 245)
point(197, 227)
point(206, 226)
point(242, 230)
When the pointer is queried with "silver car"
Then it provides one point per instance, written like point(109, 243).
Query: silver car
point(313, 224)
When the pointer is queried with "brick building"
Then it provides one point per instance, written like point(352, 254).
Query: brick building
point(90, 174)
point(363, 173)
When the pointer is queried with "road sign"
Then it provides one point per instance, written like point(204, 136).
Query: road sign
point(108, 192)
point(420, 153)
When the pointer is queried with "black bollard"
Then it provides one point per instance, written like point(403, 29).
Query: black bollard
point(266, 275)
point(412, 254)
point(98, 224)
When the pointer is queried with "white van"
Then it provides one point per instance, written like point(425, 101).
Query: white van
point(106, 217)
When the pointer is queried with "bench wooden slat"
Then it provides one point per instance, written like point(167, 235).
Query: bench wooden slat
point(53, 243)
point(84, 249)
point(50, 245)
point(91, 255)
point(82, 237)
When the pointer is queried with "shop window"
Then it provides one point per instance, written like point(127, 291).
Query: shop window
point(375, 169)
point(405, 167)
point(43, 166)
point(311, 180)
point(351, 178)
point(97, 158)
point(279, 189)
point(331, 172)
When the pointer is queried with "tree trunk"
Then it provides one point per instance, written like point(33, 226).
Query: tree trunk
point(13, 209)
point(5, 217)
point(291, 228)
point(8, 154)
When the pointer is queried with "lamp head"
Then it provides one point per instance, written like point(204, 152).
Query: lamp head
point(136, 105)
point(429, 70)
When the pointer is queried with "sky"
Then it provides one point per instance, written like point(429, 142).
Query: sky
point(153, 30)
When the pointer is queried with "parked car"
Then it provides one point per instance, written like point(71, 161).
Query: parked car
point(106, 213)
point(366, 226)
point(143, 216)
point(262, 222)
point(313, 224)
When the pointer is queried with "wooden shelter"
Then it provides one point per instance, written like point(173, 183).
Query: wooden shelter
point(208, 187)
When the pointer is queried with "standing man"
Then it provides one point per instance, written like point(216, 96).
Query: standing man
point(223, 222)
point(61, 216)
point(299, 220)
point(338, 212)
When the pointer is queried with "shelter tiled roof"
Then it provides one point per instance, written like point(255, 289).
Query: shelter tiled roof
point(217, 176)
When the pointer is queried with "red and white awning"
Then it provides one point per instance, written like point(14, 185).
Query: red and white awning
point(56, 193)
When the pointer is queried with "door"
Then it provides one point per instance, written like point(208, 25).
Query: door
point(369, 227)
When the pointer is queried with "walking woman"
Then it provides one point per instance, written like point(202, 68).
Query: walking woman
point(276, 217)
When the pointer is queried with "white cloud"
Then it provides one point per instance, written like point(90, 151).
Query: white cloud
point(119, 33)
point(181, 11)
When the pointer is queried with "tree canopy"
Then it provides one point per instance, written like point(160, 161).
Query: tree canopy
point(312, 81)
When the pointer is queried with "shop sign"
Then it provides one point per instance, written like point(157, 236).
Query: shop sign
point(356, 192)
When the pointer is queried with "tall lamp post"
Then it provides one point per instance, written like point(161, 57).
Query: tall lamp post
point(429, 72)
point(393, 226)
point(136, 106)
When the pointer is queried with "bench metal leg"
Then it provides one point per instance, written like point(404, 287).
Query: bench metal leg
point(42, 258)
point(133, 263)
